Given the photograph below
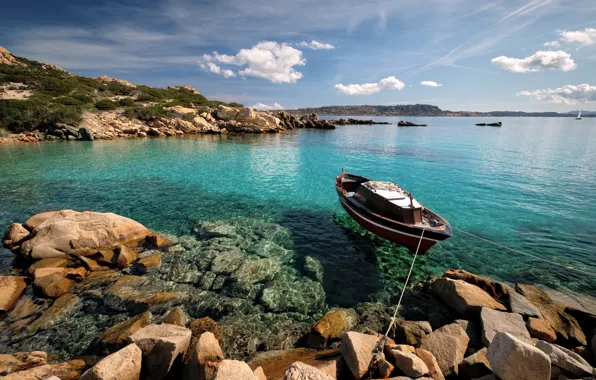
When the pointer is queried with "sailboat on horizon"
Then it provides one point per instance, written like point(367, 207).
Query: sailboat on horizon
point(579, 116)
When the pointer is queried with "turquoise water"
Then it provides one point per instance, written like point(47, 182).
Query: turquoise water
point(530, 185)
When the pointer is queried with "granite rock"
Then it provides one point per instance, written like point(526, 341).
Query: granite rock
point(513, 359)
point(566, 359)
point(301, 371)
point(494, 322)
point(11, 288)
point(434, 371)
point(357, 351)
point(410, 364)
point(448, 345)
point(476, 365)
point(540, 329)
point(465, 298)
point(121, 365)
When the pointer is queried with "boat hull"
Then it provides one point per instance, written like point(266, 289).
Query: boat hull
point(409, 238)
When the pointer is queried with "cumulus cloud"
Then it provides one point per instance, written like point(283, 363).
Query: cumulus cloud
point(430, 83)
point(269, 60)
point(570, 94)
point(267, 107)
point(539, 61)
point(389, 83)
point(552, 44)
point(213, 68)
point(315, 45)
point(582, 37)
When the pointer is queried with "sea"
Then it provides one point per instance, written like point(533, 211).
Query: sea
point(529, 185)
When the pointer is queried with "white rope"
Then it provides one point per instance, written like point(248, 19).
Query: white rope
point(526, 254)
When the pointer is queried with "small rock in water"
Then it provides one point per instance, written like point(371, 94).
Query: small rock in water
point(207, 280)
point(303, 296)
point(513, 359)
point(313, 268)
point(176, 316)
point(254, 271)
point(117, 335)
point(227, 262)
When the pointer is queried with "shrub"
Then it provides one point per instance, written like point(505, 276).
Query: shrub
point(26, 115)
point(145, 98)
point(236, 105)
point(68, 101)
point(119, 89)
point(55, 87)
point(106, 105)
point(4, 132)
point(83, 98)
point(145, 113)
point(126, 102)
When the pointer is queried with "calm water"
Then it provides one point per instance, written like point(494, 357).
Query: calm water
point(530, 184)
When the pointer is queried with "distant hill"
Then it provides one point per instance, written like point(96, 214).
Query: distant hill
point(422, 110)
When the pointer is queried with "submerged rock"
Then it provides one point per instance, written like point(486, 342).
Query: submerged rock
point(21, 361)
point(117, 335)
point(62, 307)
point(303, 296)
point(313, 268)
point(64, 371)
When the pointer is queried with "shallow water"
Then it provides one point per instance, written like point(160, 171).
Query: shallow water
point(530, 185)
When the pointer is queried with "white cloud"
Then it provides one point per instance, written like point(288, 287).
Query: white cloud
point(269, 60)
point(213, 68)
point(552, 44)
point(539, 61)
point(315, 45)
point(389, 83)
point(267, 107)
point(570, 94)
point(582, 37)
point(430, 83)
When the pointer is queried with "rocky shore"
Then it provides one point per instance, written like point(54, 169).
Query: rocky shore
point(100, 296)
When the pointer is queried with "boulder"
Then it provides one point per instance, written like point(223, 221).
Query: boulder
point(276, 363)
point(68, 232)
point(448, 345)
point(494, 322)
point(203, 126)
point(200, 326)
point(124, 256)
point(565, 359)
point(411, 332)
point(14, 235)
point(465, 298)
point(565, 325)
point(473, 331)
point(476, 365)
point(331, 326)
point(301, 371)
point(512, 359)
point(540, 329)
point(410, 364)
point(206, 352)
point(121, 365)
point(259, 373)
point(226, 113)
point(176, 316)
point(24, 308)
point(520, 305)
point(11, 288)
point(49, 263)
point(357, 350)
point(434, 371)
point(161, 345)
point(64, 371)
point(117, 335)
point(21, 361)
point(384, 368)
point(53, 285)
point(157, 241)
point(232, 370)
point(495, 289)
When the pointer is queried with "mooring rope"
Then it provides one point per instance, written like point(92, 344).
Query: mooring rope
point(525, 253)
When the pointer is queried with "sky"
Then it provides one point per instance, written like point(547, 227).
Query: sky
point(476, 55)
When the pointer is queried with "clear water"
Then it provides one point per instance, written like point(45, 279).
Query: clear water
point(530, 185)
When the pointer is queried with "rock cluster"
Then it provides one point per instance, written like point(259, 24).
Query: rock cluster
point(107, 79)
point(6, 58)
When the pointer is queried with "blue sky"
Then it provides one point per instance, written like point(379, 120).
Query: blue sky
point(481, 54)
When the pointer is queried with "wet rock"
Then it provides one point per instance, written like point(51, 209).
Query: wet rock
point(219, 282)
point(121, 365)
point(301, 371)
point(520, 305)
point(332, 326)
point(21, 361)
point(303, 296)
point(60, 309)
point(11, 288)
point(181, 272)
point(495, 289)
point(207, 280)
point(206, 351)
point(411, 332)
point(540, 329)
point(565, 359)
point(79, 233)
point(97, 280)
point(254, 271)
point(49, 263)
point(117, 335)
point(512, 359)
point(276, 363)
point(565, 325)
point(161, 345)
point(14, 235)
point(157, 241)
point(271, 250)
point(176, 316)
point(494, 322)
point(88, 263)
point(473, 331)
point(465, 298)
point(146, 263)
point(357, 350)
point(313, 268)
point(448, 345)
point(124, 256)
point(434, 371)
point(24, 308)
point(227, 262)
point(64, 371)
point(476, 365)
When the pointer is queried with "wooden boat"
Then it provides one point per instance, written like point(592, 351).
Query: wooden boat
point(497, 124)
point(389, 211)
point(410, 124)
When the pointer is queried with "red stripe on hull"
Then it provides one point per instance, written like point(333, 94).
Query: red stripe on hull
point(410, 242)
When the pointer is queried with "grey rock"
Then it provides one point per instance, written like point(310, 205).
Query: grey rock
point(302, 296)
point(473, 331)
point(494, 321)
point(227, 262)
point(512, 359)
point(313, 268)
point(565, 359)
point(253, 271)
point(520, 305)
point(219, 282)
point(207, 280)
point(85, 134)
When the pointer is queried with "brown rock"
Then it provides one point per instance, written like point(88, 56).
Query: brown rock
point(495, 289)
point(14, 235)
point(434, 371)
point(161, 345)
point(53, 285)
point(117, 335)
point(275, 363)
point(231, 370)
point(49, 263)
point(540, 329)
point(566, 359)
point(494, 322)
point(124, 256)
point(448, 345)
point(565, 325)
point(205, 352)
point(465, 298)
point(157, 241)
point(357, 350)
point(149, 262)
point(331, 326)
point(121, 365)
point(98, 279)
point(23, 309)
point(21, 361)
point(259, 373)
point(476, 365)
point(301, 371)
point(69, 232)
point(200, 326)
point(90, 264)
point(410, 364)
point(64, 371)
point(520, 305)
point(61, 307)
point(226, 113)
point(411, 332)
point(176, 316)
point(11, 288)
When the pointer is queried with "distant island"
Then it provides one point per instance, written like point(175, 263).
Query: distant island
point(423, 110)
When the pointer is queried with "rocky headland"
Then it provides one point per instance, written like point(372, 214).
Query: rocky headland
point(100, 296)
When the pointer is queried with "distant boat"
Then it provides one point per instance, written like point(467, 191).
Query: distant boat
point(410, 124)
point(498, 124)
point(387, 210)
point(579, 116)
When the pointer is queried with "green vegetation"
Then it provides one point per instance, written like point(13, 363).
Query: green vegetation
point(154, 112)
point(106, 105)
point(25, 115)
point(4, 132)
